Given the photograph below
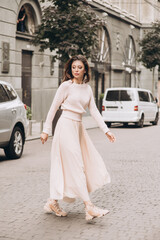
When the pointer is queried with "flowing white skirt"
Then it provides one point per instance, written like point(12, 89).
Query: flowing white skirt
point(76, 166)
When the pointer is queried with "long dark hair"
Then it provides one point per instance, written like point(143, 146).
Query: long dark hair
point(68, 68)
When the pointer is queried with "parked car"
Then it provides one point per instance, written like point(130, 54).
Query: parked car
point(13, 122)
point(129, 105)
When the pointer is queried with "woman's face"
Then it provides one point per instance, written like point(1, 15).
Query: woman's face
point(78, 69)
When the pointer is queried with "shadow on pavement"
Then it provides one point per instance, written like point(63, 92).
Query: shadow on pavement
point(4, 158)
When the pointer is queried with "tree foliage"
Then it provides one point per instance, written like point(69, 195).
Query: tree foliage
point(69, 27)
point(150, 48)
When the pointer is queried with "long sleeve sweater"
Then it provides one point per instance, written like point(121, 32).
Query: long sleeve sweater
point(74, 99)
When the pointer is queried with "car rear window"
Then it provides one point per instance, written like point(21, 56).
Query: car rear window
point(112, 95)
point(11, 93)
point(143, 96)
point(120, 95)
point(3, 95)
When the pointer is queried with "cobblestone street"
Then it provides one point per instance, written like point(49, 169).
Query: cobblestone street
point(133, 197)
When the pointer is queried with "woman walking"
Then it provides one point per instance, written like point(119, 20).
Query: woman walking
point(76, 166)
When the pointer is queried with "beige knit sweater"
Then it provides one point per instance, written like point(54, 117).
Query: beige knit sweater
point(74, 99)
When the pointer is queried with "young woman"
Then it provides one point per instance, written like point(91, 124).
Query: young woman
point(76, 166)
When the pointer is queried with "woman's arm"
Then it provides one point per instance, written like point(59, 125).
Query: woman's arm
point(57, 101)
point(97, 116)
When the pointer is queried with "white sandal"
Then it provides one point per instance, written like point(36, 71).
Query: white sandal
point(94, 212)
point(52, 206)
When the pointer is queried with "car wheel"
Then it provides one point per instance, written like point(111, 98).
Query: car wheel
point(15, 148)
point(155, 122)
point(141, 122)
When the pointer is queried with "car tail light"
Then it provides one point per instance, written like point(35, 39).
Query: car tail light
point(135, 108)
point(103, 108)
point(25, 106)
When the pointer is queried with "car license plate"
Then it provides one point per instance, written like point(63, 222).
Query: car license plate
point(112, 108)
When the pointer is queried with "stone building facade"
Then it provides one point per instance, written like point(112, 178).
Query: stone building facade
point(121, 32)
point(33, 74)
point(126, 22)
point(36, 77)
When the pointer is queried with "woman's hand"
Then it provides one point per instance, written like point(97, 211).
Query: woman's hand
point(44, 137)
point(111, 136)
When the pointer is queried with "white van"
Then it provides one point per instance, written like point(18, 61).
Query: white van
point(129, 105)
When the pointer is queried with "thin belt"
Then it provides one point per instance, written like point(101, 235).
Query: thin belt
point(72, 115)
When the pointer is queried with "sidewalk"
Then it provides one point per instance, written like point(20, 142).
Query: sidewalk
point(88, 122)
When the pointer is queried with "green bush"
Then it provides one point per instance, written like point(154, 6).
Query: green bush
point(29, 113)
point(101, 95)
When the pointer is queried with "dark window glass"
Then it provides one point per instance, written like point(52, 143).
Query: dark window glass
point(126, 95)
point(143, 96)
point(152, 98)
point(120, 95)
point(3, 95)
point(112, 95)
point(11, 93)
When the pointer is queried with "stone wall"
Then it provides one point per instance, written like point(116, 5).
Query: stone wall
point(43, 84)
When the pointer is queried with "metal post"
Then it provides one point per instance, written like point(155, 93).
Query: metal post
point(41, 126)
point(30, 128)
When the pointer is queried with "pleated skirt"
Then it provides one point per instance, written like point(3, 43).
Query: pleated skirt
point(76, 166)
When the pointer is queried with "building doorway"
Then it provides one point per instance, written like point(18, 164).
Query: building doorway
point(26, 77)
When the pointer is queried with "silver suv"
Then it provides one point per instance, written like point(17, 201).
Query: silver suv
point(13, 122)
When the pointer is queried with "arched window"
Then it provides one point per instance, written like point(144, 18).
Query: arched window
point(129, 53)
point(129, 62)
point(102, 52)
point(102, 65)
point(26, 20)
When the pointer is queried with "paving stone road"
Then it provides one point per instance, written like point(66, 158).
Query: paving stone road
point(133, 197)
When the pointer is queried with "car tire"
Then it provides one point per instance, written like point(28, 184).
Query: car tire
point(15, 148)
point(155, 122)
point(141, 121)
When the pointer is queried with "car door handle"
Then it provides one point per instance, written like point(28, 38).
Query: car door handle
point(14, 110)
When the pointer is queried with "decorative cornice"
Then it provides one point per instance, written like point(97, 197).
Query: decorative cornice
point(104, 5)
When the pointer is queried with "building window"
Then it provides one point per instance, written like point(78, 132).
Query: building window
point(129, 62)
point(21, 20)
point(102, 53)
point(26, 19)
point(129, 52)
